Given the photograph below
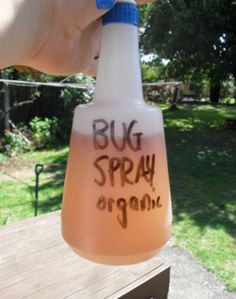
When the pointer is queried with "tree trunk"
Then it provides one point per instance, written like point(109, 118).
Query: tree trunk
point(175, 98)
point(7, 107)
point(215, 91)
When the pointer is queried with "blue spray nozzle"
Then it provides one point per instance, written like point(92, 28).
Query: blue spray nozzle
point(105, 4)
point(122, 12)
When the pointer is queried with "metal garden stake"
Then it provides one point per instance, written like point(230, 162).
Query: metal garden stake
point(38, 170)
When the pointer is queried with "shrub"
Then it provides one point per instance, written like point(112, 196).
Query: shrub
point(13, 143)
point(43, 131)
point(228, 101)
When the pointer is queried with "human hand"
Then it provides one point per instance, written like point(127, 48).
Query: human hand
point(56, 37)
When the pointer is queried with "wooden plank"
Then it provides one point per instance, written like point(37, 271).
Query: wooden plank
point(30, 248)
point(123, 282)
point(41, 265)
point(9, 231)
point(153, 285)
point(74, 281)
point(41, 277)
point(30, 238)
point(13, 271)
point(87, 282)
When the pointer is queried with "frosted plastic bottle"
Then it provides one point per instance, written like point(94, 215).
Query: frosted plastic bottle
point(116, 205)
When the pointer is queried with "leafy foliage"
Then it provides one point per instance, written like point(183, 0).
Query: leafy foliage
point(197, 37)
point(144, 12)
point(69, 99)
point(43, 130)
point(13, 143)
point(153, 71)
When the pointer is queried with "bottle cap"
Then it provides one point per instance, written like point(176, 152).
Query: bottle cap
point(122, 12)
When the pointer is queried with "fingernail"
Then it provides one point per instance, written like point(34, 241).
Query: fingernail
point(105, 4)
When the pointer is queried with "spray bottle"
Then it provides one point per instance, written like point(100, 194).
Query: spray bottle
point(116, 205)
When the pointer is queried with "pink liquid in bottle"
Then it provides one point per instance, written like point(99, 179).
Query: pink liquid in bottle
point(116, 205)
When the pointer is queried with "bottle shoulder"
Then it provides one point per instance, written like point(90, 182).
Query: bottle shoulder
point(146, 118)
point(118, 109)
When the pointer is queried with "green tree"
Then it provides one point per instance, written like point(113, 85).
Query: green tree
point(197, 37)
point(153, 71)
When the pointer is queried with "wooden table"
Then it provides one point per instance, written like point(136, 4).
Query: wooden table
point(35, 262)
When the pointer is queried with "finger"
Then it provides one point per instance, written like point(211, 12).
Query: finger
point(90, 46)
point(93, 65)
point(92, 69)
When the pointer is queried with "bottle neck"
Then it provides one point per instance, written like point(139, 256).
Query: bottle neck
point(119, 75)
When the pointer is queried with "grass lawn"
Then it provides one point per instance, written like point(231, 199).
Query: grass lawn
point(17, 184)
point(202, 160)
point(202, 163)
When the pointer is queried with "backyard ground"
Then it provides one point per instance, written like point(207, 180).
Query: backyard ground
point(202, 165)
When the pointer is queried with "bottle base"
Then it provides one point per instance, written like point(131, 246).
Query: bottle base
point(115, 260)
